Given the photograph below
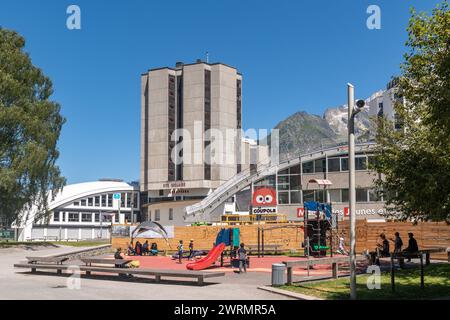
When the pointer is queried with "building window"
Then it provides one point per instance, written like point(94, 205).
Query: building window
point(56, 216)
point(128, 200)
point(97, 217)
point(344, 164)
point(171, 127)
point(90, 202)
point(344, 193)
point(135, 200)
point(361, 163)
point(308, 167)
point(86, 217)
point(294, 181)
point(122, 200)
point(283, 197)
point(97, 201)
point(110, 200)
point(335, 195)
point(361, 195)
point(295, 197)
point(207, 125)
point(320, 165)
point(157, 215)
point(83, 202)
point(308, 195)
point(319, 195)
point(74, 217)
point(171, 214)
point(76, 204)
point(374, 196)
point(334, 165)
point(103, 200)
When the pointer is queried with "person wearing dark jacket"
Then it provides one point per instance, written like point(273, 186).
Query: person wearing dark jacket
point(242, 256)
point(412, 245)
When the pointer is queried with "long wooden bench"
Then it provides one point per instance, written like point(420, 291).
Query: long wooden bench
point(158, 274)
point(120, 262)
point(334, 261)
point(57, 260)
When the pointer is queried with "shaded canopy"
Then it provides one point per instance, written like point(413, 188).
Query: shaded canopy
point(150, 226)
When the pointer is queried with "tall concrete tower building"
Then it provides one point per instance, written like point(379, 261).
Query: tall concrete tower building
point(180, 169)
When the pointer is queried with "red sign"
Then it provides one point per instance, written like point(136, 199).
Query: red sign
point(346, 212)
point(300, 212)
point(264, 197)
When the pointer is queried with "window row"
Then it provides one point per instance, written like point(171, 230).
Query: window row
point(157, 215)
point(106, 201)
point(61, 216)
point(336, 196)
point(337, 164)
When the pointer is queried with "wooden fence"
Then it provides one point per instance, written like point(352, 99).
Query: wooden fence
point(427, 234)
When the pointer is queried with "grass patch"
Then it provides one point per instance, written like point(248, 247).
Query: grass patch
point(407, 285)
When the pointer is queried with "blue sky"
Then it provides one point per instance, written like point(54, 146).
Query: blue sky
point(294, 55)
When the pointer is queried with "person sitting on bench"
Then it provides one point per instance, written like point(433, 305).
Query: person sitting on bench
point(382, 250)
point(412, 245)
point(154, 249)
point(118, 256)
point(131, 251)
point(145, 249)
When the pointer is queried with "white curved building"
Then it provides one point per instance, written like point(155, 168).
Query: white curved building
point(83, 211)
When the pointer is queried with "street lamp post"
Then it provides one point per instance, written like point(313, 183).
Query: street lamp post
point(352, 111)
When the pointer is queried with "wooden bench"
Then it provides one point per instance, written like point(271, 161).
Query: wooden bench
point(334, 261)
point(401, 256)
point(119, 262)
point(57, 260)
point(158, 274)
point(267, 248)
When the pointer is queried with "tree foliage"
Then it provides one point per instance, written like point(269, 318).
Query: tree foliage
point(415, 161)
point(30, 126)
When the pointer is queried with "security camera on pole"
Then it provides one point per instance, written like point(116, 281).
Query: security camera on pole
point(352, 112)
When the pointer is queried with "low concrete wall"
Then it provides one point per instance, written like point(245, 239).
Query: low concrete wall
point(94, 251)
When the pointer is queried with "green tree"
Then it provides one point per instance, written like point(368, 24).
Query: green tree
point(415, 161)
point(30, 125)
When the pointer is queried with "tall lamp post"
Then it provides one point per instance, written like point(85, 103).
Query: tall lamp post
point(352, 112)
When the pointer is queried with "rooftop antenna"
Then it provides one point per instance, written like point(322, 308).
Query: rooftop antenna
point(207, 57)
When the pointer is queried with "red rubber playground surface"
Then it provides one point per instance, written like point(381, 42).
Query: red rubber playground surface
point(256, 265)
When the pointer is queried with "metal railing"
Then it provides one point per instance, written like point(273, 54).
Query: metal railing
point(262, 169)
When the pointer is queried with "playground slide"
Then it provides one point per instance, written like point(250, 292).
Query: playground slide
point(207, 261)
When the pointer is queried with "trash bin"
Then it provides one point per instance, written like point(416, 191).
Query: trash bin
point(278, 274)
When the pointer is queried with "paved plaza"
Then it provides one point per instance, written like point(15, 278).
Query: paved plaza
point(21, 284)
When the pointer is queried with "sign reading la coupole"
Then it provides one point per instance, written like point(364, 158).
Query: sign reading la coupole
point(264, 201)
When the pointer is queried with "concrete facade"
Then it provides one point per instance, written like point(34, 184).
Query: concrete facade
point(205, 101)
